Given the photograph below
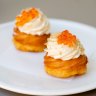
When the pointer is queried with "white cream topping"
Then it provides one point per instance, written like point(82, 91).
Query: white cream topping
point(37, 26)
point(61, 51)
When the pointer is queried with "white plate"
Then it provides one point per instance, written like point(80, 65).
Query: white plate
point(23, 72)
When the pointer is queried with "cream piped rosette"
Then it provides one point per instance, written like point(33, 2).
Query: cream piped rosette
point(64, 46)
point(32, 21)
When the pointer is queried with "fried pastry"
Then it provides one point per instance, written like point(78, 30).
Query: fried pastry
point(31, 30)
point(64, 56)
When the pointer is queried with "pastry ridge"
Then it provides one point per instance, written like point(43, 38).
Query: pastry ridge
point(64, 69)
point(28, 42)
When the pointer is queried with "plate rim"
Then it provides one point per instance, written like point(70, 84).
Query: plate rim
point(74, 91)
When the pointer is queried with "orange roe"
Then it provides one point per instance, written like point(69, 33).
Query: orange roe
point(26, 16)
point(67, 38)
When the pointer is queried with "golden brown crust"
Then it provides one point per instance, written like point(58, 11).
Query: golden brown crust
point(67, 68)
point(28, 42)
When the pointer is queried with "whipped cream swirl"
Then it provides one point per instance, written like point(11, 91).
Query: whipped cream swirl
point(38, 26)
point(61, 51)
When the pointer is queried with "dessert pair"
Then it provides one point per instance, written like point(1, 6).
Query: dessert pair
point(64, 53)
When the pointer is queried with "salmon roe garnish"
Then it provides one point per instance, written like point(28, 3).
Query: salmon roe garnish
point(67, 38)
point(26, 16)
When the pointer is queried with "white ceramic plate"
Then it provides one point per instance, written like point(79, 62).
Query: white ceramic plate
point(23, 72)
